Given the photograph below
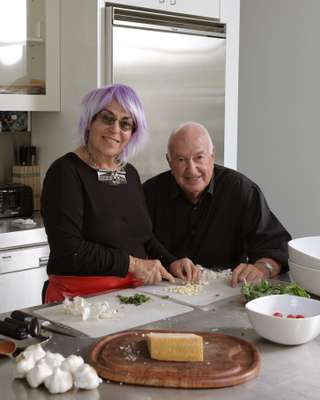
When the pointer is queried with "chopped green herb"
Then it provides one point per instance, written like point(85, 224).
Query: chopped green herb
point(137, 299)
point(251, 291)
point(165, 297)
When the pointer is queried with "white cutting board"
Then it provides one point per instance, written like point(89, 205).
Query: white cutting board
point(128, 315)
point(216, 290)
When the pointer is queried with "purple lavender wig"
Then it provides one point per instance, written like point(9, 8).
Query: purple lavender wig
point(98, 99)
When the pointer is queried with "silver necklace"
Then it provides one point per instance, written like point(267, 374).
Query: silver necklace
point(108, 176)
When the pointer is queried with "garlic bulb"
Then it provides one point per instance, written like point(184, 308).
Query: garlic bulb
point(59, 382)
point(86, 377)
point(23, 365)
point(72, 363)
point(38, 373)
point(53, 359)
point(35, 351)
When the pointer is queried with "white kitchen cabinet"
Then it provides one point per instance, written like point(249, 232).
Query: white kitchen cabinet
point(203, 8)
point(155, 4)
point(29, 55)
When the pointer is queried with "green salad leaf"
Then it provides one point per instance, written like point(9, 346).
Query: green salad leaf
point(137, 299)
point(252, 290)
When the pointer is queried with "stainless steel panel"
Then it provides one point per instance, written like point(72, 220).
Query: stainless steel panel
point(179, 77)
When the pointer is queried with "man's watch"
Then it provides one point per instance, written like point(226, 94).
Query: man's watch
point(266, 265)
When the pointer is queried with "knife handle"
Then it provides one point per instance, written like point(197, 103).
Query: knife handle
point(21, 316)
point(13, 331)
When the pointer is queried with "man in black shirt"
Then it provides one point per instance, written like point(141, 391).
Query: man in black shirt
point(214, 215)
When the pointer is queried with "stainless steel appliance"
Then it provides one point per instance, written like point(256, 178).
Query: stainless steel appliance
point(24, 254)
point(177, 66)
point(15, 200)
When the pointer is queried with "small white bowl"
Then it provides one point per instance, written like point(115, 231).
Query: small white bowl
point(289, 331)
point(307, 277)
point(305, 251)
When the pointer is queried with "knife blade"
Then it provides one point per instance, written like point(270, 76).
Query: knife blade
point(48, 325)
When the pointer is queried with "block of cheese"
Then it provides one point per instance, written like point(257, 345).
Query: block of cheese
point(175, 346)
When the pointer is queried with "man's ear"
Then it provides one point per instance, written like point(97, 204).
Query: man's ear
point(168, 159)
point(213, 154)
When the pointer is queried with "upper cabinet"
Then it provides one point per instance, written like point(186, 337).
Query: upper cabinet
point(29, 55)
point(203, 8)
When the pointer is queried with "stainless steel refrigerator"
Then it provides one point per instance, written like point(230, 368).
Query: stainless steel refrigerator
point(176, 63)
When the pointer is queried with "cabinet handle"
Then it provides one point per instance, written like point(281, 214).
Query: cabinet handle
point(173, 2)
point(162, 1)
point(43, 261)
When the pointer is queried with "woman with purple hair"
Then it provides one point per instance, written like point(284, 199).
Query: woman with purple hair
point(94, 212)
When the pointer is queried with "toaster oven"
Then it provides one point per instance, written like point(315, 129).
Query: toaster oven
point(16, 200)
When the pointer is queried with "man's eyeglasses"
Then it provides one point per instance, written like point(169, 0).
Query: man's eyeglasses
point(126, 124)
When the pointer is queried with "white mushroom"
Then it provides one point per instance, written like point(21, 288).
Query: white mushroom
point(59, 382)
point(72, 363)
point(38, 373)
point(86, 377)
point(53, 359)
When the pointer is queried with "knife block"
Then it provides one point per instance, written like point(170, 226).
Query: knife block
point(29, 175)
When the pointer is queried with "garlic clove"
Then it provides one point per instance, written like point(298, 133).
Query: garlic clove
point(59, 381)
point(38, 373)
point(54, 359)
point(86, 377)
point(72, 363)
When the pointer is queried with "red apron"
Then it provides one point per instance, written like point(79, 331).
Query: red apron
point(62, 286)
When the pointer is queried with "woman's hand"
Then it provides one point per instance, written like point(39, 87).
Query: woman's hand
point(186, 270)
point(149, 271)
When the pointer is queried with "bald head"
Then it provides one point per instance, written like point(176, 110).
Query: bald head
point(189, 130)
point(191, 159)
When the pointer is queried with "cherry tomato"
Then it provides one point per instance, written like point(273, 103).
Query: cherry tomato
point(291, 316)
point(299, 316)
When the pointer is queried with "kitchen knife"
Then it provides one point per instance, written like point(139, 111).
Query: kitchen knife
point(47, 325)
point(13, 331)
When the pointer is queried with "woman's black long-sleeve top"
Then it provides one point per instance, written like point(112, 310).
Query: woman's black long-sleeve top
point(92, 227)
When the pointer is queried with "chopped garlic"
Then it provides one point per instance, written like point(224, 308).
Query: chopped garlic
point(87, 310)
point(207, 277)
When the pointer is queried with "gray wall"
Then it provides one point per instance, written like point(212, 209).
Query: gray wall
point(279, 108)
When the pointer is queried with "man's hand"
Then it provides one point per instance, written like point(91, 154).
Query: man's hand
point(247, 272)
point(253, 272)
point(186, 270)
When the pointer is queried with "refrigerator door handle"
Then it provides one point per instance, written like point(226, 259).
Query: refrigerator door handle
point(160, 21)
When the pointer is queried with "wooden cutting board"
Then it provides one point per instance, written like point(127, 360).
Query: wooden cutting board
point(124, 357)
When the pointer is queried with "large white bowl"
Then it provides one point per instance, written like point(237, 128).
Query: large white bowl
point(289, 331)
point(308, 278)
point(305, 251)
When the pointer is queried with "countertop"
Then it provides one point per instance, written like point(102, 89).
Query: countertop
point(287, 372)
point(14, 235)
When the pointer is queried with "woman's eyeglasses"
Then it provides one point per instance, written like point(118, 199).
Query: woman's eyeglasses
point(126, 124)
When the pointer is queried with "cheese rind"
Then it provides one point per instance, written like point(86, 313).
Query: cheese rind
point(175, 346)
